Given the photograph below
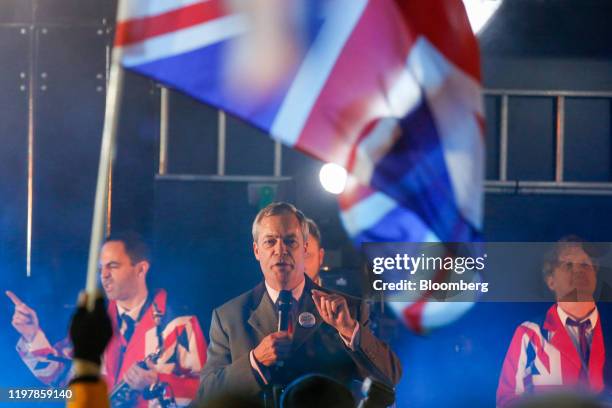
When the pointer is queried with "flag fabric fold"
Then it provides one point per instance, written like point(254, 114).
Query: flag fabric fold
point(388, 89)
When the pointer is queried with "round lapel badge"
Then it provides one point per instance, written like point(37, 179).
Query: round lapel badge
point(306, 319)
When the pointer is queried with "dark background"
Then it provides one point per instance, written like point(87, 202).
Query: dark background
point(54, 52)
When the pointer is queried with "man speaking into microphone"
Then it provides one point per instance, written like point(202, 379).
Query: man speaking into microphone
point(287, 326)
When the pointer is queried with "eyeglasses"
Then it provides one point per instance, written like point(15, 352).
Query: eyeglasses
point(570, 266)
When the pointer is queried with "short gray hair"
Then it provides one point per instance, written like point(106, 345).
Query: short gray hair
point(280, 208)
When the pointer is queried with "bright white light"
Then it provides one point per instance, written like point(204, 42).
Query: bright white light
point(333, 178)
point(480, 11)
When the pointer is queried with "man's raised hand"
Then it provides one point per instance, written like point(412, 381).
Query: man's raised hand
point(334, 311)
point(25, 320)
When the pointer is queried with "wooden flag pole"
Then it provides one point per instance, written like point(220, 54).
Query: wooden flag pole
point(107, 150)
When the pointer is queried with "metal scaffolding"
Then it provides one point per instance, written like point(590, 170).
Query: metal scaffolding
point(559, 185)
point(500, 185)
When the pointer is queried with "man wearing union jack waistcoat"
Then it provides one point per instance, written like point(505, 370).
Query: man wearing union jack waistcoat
point(154, 356)
point(567, 351)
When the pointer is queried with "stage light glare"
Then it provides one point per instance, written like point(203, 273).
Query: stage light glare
point(480, 12)
point(333, 178)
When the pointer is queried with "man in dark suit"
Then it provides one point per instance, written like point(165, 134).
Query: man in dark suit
point(328, 332)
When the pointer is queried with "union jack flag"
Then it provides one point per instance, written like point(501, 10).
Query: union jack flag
point(182, 358)
point(388, 89)
point(542, 357)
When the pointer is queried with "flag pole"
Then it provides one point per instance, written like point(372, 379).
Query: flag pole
point(107, 150)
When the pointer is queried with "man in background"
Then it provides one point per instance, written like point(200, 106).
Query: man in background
point(566, 351)
point(315, 253)
point(153, 353)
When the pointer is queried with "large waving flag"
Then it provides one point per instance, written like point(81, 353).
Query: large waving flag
point(388, 89)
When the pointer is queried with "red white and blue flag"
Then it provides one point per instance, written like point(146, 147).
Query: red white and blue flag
point(388, 89)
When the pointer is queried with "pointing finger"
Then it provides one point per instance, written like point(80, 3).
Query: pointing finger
point(23, 308)
point(319, 293)
point(14, 298)
point(317, 304)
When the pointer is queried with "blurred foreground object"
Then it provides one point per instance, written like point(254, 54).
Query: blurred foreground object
point(317, 391)
point(376, 394)
point(90, 332)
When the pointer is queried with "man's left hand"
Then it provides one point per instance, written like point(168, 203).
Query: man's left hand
point(334, 310)
point(139, 378)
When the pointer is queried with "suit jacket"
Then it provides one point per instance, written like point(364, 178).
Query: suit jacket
point(239, 326)
point(545, 359)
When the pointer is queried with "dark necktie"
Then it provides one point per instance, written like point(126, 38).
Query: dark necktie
point(583, 344)
point(128, 328)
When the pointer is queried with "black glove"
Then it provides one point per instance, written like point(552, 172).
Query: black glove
point(90, 332)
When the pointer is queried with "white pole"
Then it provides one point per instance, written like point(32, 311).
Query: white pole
point(111, 120)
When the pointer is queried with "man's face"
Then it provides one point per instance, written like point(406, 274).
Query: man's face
point(280, 250)
point(574, 273)
point(120, 278)
point(314, 258)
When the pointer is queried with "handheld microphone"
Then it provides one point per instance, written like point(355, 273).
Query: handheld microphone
point(284, 308)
